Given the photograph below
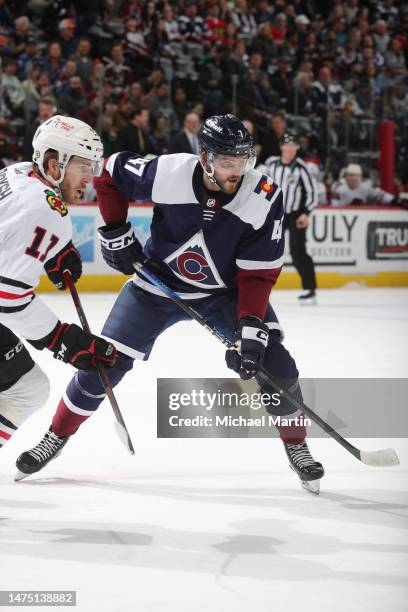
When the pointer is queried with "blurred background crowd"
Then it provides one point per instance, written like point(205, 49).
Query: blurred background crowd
point(145, 73)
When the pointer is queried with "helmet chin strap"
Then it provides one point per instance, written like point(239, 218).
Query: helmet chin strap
point(211, 173)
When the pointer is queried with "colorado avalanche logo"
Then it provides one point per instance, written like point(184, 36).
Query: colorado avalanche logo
point(192, 263)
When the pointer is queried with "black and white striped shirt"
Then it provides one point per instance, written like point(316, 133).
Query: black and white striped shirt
point(296, 182)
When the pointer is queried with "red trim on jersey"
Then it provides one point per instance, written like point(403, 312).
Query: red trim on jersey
point(33, 174)
point(14, 296)
point(254, 287)
point(112, 204)
point(5, 435)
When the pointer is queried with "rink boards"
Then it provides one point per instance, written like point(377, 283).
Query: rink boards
point(350, 244)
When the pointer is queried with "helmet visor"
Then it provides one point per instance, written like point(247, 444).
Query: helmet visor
point(233, 164)
point(86, 167)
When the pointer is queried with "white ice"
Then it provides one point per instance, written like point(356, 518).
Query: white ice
point(215, 525)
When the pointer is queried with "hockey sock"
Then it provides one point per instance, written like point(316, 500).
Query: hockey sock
point(7, 429)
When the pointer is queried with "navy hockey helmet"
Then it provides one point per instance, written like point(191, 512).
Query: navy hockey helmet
point(226, 135)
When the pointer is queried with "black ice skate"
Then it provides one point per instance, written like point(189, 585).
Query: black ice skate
point(36, 458)
point(308, 298)
point(309, 471)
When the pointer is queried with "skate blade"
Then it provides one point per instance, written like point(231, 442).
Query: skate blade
point(308, 302)
point(311, 486)
point(20, 476)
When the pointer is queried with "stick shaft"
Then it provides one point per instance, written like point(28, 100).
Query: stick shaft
point(101, 370)
point(144, 270)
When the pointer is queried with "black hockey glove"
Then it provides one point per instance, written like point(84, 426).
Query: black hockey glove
point(120, 247)
point(252, 336)
point(67, 259)
point(71, 344)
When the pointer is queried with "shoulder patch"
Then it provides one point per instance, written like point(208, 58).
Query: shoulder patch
point(265, 187)
point(56, 203)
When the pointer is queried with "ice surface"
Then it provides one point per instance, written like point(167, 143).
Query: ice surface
point(215, 525)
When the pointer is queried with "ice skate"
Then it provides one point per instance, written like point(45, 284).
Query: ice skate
point(309, 471)
point(308, 298)
point(36, 458)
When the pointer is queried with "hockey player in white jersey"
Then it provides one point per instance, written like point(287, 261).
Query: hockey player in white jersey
point(353, 190)
point(36, 235)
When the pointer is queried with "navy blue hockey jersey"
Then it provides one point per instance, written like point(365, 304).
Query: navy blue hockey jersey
point(202, 241)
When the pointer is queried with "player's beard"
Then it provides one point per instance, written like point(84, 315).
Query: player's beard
point(229, 185)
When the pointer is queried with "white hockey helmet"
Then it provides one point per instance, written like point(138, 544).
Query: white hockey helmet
point(68, 136)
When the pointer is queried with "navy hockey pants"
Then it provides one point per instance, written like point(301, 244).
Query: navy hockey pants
point(138, 318)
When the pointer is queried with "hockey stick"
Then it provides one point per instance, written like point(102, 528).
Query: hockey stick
point(377, 458)
point(120, 425)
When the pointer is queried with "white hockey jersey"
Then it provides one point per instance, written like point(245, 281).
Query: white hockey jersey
point(34, 226)
point(343, 195)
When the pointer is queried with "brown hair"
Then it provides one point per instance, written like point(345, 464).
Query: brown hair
point(49, 154)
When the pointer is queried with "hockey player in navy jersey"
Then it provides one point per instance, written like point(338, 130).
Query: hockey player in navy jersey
point(216, 239)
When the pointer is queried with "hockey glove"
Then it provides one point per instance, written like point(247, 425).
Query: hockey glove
point(252, 338)
point(67, 259)
point(71, 344)
point(120, 247)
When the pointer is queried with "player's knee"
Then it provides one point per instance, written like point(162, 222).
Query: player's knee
point(89, 383)
point(280, 406)
point(278, 361)
point(282, 367)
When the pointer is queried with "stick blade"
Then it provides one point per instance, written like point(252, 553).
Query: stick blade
point(124, 438)
point(380, 458)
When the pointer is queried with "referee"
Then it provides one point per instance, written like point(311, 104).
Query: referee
point(300, 197)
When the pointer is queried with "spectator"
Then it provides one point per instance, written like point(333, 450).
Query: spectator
point(160, 103)
point(191, 27)
point(134, 136)
point(37, 87)
point(117, 73)
point(279, 28)
point(90, 114)
point(214, 26)
point(29, 58)
point(74, 97)
point(263, 12)
point(381, 36)
point(327, 94)
point(8, 143)
point(180, 103)
point(264, 44)
point(12, 88)
point(22, 30)
point(69, 70)
point(83, 60)
point(186, 141)
point(54, 61)
point(395, 58)
point(46, 109)
point(159, 135)
point(352, 190)
point(300, 96)
point(68, 42)
point(272, 137)
point(244, 21)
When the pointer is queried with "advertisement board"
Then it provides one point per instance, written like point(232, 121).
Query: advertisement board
point(363, 244)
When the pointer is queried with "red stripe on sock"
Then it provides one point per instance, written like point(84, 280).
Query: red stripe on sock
point(5, 435)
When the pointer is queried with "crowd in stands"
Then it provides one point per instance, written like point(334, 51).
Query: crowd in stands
point(144, 73)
